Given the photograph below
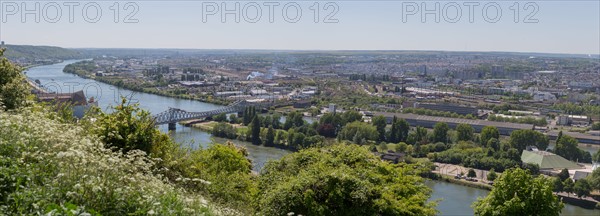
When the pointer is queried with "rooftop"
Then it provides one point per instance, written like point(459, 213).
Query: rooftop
point(547, 160)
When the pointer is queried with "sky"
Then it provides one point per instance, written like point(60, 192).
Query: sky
point(551, 26)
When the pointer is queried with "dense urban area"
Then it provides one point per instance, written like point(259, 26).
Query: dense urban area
point(363, 132)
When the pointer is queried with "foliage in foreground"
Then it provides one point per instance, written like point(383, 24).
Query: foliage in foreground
point(47, 166)
point(517, 192)
point(14, 91)
point(341, 180)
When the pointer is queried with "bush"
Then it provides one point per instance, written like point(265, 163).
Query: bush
point(224, 130)
point(50, 166)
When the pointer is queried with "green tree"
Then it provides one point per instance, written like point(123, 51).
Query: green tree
point(493, 143)
point(358, 132)
point(220, 117)
point(596, 157)
point(564, 174)
point(558, 184)
point(380, 123)
point(351, 116)
point(491, 176)
point(568, 186)
point(516, 192)
point(465, 132)
point(582, 188)
point(127, 128)
point(394, 136)
point(255, 128)
point(594, 179)
point(440, 132)
point(14, 91)
point(566, 147)
point(224, 130)
point(487, 133)
point(269, 140)
point(403, 128)
point(520, 139)
point(341, 180)
point(471, 173)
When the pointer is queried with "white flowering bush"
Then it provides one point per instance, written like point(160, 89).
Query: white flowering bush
point(51, 167)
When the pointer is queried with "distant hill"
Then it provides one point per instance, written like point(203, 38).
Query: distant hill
point(33, 53)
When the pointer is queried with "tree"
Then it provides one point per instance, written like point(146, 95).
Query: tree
point(293, 119)
point(471, 173)
point(558, 184)
point(380, 123)
point(403, 128)
point(440, 132)
point(596, 157)
point(14, 89)
point(582, 188)
point(568, 186)
point(465, 132)
point(491, 176)
point(566, 147)
point(489, 132)
point(520, 139)
point(564, 174)
point(126, 128)
point(340, 180)
point(255, 128)
point(233, 119)
point(220, 117)
point(493, 143)
point(419, 135)
point(358, 132)
point(596, 126)
point(394, 136)
point(594, 179)
point(269, 140)
point(351, 116)
point(516, 192)
point(224, 130)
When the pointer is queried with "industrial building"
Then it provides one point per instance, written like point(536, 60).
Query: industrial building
point(462, 110)
point(505, 128)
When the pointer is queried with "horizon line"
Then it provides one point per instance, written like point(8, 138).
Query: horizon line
point(321, 50)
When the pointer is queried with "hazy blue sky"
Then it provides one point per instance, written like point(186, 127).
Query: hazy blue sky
point(562, 27)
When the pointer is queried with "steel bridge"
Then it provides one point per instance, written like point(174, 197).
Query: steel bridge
point(174, 115)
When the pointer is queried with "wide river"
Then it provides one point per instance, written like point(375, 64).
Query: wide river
point(454, 199)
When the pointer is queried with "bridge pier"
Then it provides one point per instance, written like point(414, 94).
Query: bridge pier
point(172, 126)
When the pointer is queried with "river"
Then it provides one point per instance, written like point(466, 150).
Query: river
point(456, 199)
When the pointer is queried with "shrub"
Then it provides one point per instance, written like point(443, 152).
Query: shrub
point(48, 166)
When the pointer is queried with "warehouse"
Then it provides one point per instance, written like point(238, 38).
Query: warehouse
point(505, 128)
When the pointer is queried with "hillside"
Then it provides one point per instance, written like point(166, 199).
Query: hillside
point(35, 53)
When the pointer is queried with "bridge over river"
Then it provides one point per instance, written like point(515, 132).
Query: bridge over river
point(174, 115)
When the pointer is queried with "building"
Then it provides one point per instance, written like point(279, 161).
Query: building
point(392, 157)
point(301, 104)
point(580, 137)
point(332, 108)
point(505, 128)
point(546, 160)
point(573, 120)
point(228, 93)
point(77, 101)
point(544, 96)
point(462, 110)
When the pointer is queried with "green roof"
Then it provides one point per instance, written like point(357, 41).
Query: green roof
point(547, 160)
